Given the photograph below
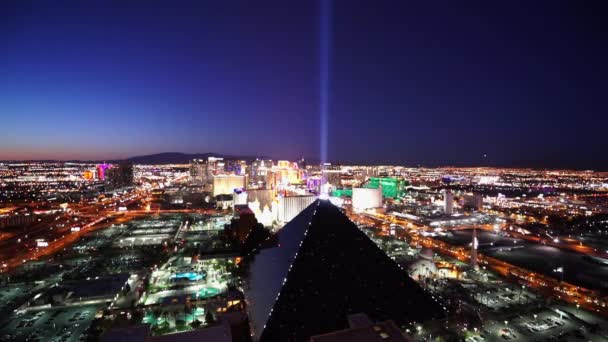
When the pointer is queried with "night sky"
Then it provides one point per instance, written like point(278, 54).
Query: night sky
point(429, 83)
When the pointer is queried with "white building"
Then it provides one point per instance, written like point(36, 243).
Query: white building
point(266, 214)
point(290, 206)
point(225, 184)
point(239, 197)
point(366, 198)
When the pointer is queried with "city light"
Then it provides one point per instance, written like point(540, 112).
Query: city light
point(303, 171)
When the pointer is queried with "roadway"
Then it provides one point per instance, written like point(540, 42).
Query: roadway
point(57, 230)
point(544, 284)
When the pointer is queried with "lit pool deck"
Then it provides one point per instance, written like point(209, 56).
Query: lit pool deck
point(192, 276)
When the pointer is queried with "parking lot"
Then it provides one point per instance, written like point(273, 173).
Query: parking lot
point(504, 296)
point(9, 293)
point(54, 325)
point(543, 325)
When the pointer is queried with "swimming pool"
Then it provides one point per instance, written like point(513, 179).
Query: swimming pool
point(207, 292)
point(192, 276)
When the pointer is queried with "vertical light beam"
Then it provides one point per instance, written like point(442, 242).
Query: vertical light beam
point(324, 74)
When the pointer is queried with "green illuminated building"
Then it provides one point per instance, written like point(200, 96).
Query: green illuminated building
point(391, 187)
point(342, 192)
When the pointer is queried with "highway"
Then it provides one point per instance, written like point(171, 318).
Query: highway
point(56, 229)
point(547, 285)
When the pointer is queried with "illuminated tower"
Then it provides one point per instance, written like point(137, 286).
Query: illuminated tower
point(474, 245)
point(259, 173)
point(101, 171)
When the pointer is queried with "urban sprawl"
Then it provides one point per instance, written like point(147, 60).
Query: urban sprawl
point(274, 250)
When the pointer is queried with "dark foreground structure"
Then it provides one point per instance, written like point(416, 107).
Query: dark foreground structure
point(323, 269)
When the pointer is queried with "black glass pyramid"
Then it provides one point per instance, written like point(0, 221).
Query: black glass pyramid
point(323, 269)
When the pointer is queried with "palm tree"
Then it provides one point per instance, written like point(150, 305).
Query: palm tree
point(196, 324)
point(209, 319)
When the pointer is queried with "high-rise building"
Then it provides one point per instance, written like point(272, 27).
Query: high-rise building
point(313, 183)
point(215, 166)
point(239, 197)
point(283, 174)
point(119, 176)
point(203, 170)
point(302, 163)
point(264, 197)
point(367, 198)
point(474, 201)
point(226, 184)
point(101, 171)
point(263, 205)
point(391, 187)
point(322, 269)
point(258, 173)
point(448, 202)
point(331, 174)
point(236, 167)
point(290, 206)
point(198, 171)
point(474, 245)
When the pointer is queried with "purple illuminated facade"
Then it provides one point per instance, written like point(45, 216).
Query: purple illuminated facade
point(313, 183)
point(101, 171)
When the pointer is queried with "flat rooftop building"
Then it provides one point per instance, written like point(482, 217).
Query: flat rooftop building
point(361, 329)
point(142, 333)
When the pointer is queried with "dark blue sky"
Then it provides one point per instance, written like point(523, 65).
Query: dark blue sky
point(432, 83)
